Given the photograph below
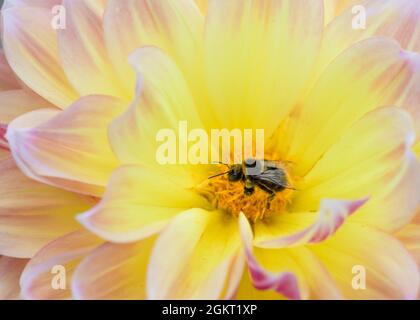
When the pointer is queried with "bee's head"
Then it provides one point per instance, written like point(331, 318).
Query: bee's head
point(235, 173)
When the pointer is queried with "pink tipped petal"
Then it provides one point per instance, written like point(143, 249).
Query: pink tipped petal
point(51, 146)
point(201, 246)
point(145, 200)
point(82, 49)
point(30, 45)
point(332, 214)
point(66, 251)
point(113, 272)
point(174, 26)
point(284, 283)
point(32, 214)
point(10, 270)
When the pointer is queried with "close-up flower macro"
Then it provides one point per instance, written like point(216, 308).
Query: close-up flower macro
point(210, 149)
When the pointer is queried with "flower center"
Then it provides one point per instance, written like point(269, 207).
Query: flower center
point(232, 196)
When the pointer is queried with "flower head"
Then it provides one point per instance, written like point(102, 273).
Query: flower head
point(337, 108)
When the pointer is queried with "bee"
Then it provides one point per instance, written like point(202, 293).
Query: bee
point(267, 175)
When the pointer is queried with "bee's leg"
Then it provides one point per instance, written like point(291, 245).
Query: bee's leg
point(270, 198)
point(249, 187)
point(271, 194)
point(249, 190)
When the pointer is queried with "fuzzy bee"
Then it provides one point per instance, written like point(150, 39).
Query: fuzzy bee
point(267, 175)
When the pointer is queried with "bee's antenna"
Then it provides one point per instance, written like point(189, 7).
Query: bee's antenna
point(218, 162)
point(218, 175)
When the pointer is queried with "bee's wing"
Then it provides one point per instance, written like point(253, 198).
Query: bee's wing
point(271, 179)
point(272, 164)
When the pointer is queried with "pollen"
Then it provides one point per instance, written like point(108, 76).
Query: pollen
point(230, 197)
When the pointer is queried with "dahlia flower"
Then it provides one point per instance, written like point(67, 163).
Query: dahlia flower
point(81, 105)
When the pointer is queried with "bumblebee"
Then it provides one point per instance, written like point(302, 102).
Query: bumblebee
point(267, 175)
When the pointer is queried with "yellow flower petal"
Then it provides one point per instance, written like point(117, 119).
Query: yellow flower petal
point(258, 57)
point(390, 271)
point(145, 199)
point(32, 214)
point(368, 161)
point(30, 45)
point(376, 70)
point(203, 4)
point(68, 149)
point(396, 204)
point(174, 26)
point(163, 99)
point(201, 246)
point(10, 270)
point(113, 271)
point(66, 251)
point(83, 52)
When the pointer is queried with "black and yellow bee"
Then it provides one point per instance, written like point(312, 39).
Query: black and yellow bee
point(267, 175)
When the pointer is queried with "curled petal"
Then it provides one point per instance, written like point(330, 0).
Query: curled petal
point(292, 229)
point(284, 283)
